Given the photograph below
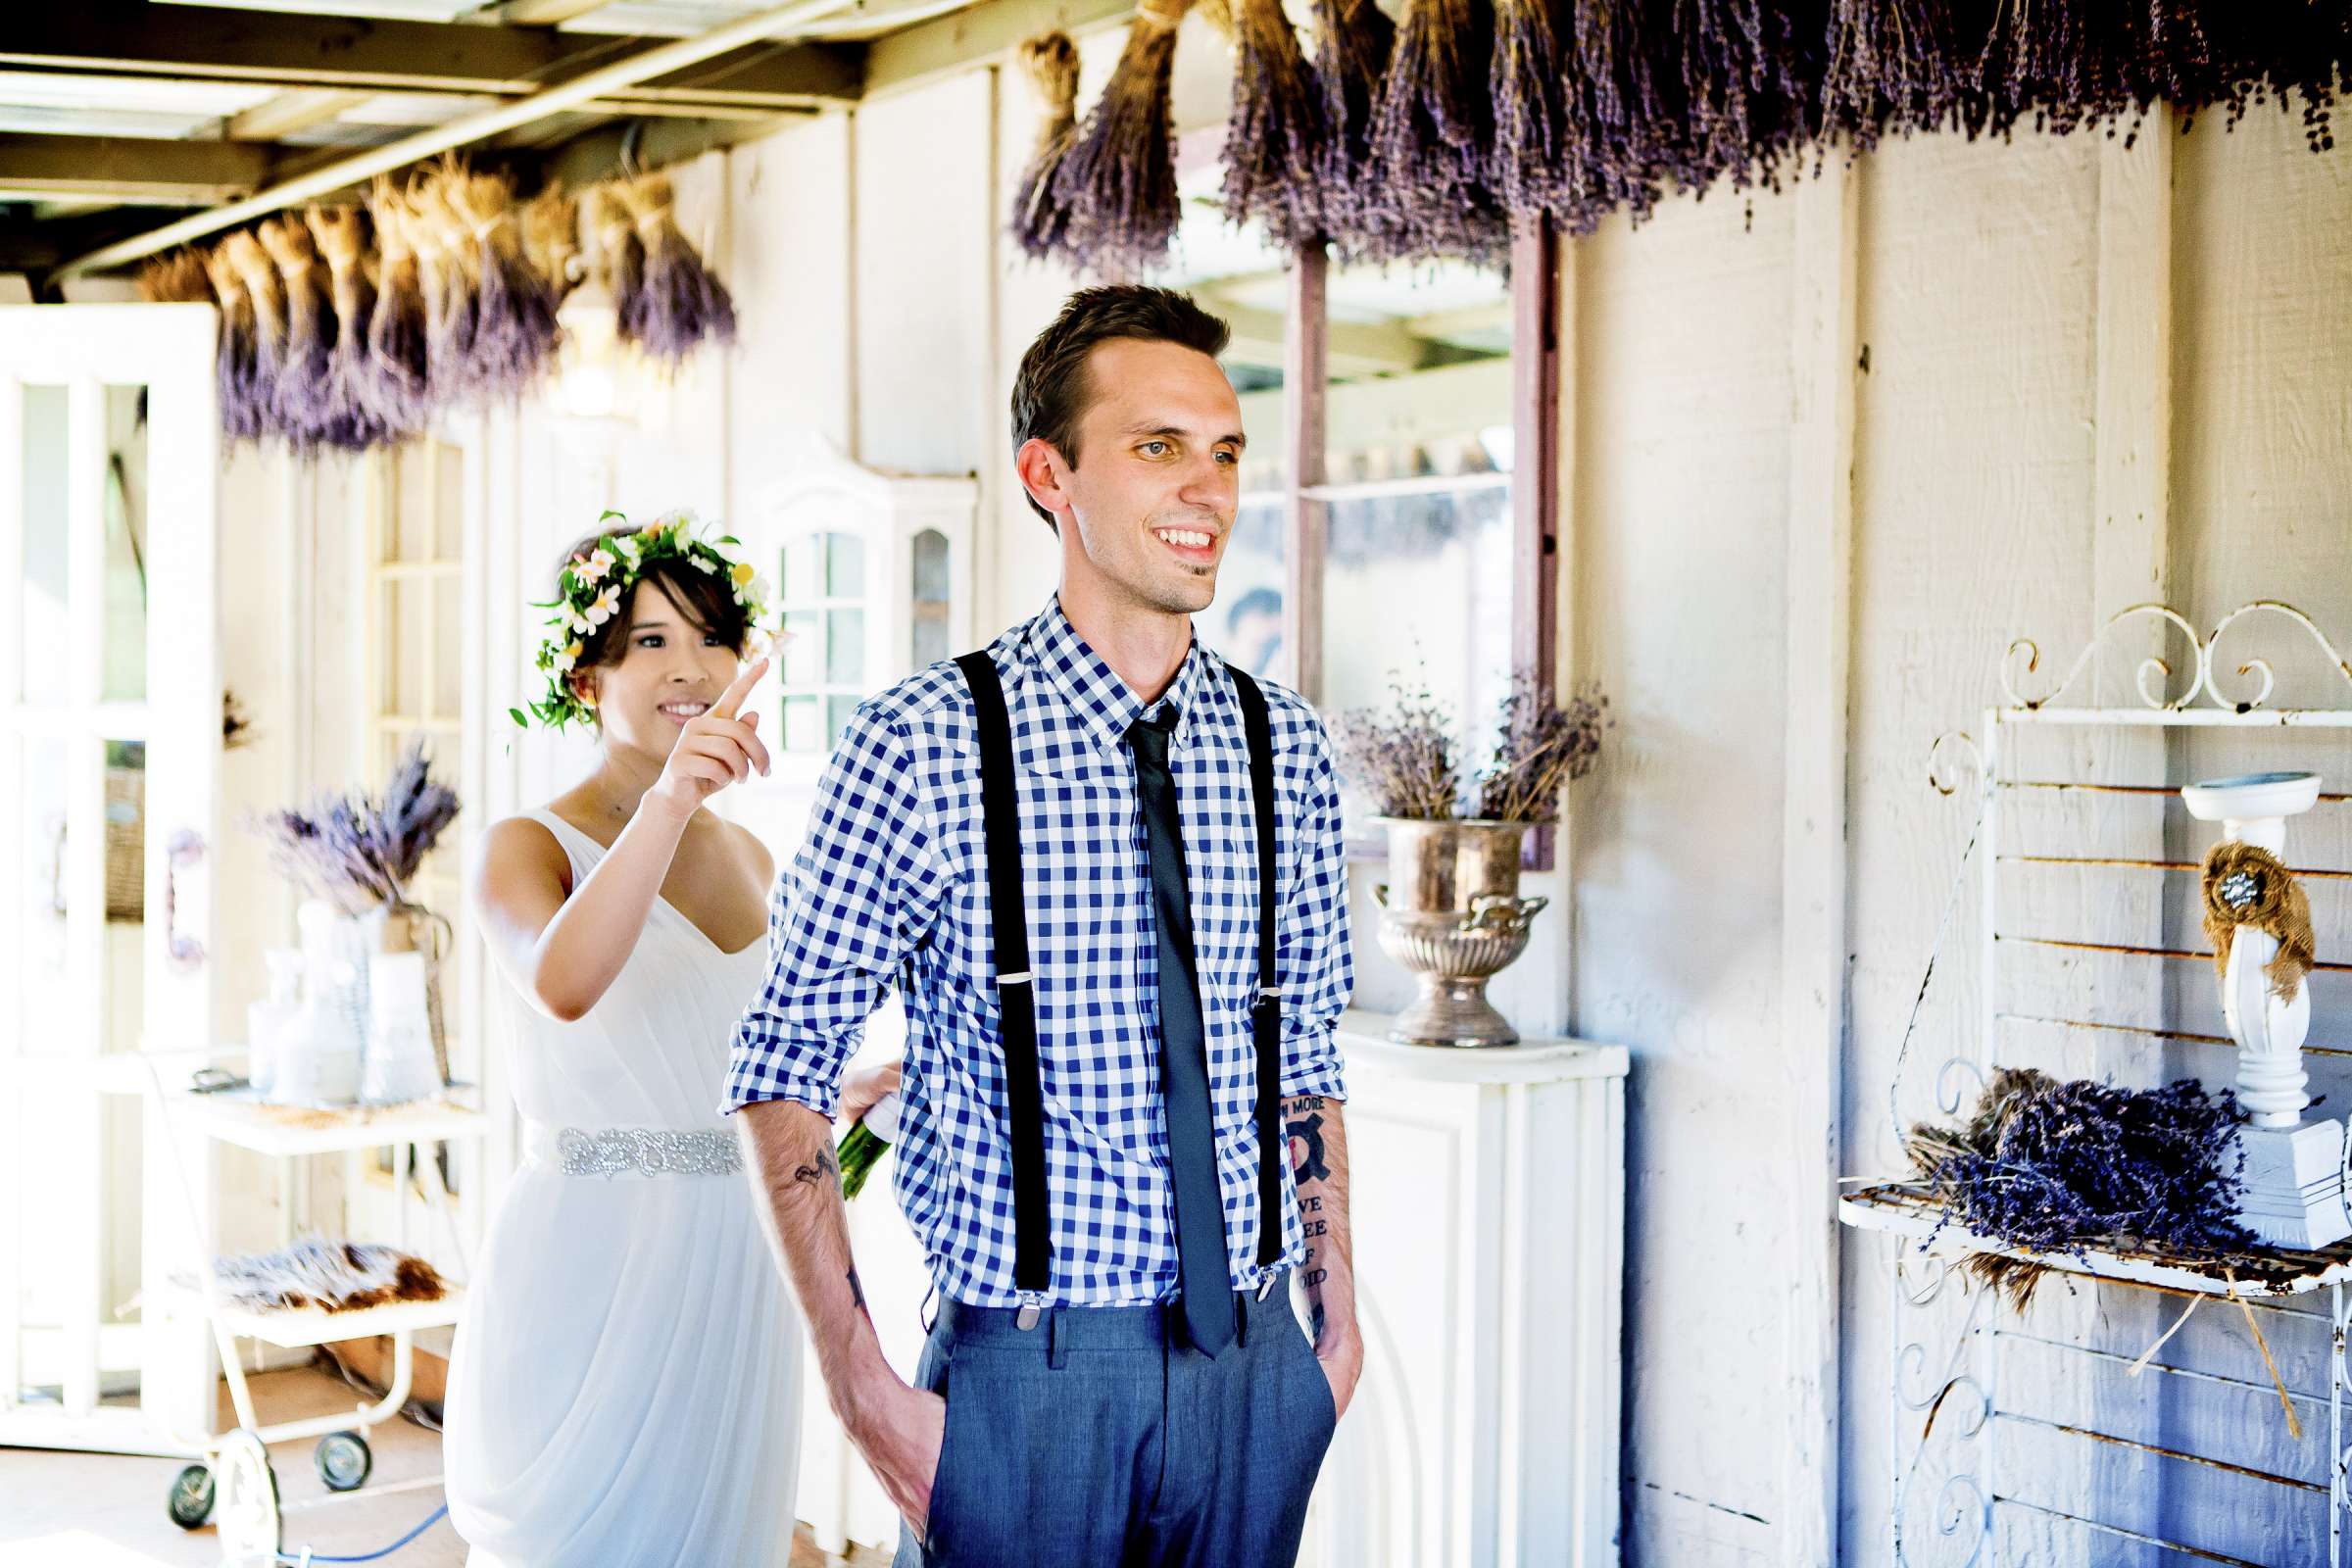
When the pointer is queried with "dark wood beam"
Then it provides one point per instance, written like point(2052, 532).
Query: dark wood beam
point(293, 49)
point(599, 153)
point(929, 50)
point(135, 169)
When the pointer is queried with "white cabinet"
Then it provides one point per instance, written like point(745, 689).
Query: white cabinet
point(1488, 1199)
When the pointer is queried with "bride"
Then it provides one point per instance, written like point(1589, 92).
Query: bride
point(625, 1386)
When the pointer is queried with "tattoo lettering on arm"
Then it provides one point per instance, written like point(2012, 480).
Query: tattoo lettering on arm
point(1305, 1132)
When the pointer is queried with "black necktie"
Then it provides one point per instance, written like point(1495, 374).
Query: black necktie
point(1201, 1259)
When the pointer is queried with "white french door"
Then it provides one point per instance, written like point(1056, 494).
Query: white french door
point(109, 760)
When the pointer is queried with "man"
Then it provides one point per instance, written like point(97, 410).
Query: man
point(1053, 849)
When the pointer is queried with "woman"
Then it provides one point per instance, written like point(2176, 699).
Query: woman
point(626, 1382)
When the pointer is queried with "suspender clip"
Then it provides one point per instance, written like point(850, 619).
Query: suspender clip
point(1026, 1318)
point(1005, 980)
point(1265, 1286)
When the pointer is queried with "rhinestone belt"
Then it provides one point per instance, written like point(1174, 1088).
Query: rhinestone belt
point(646, 1152)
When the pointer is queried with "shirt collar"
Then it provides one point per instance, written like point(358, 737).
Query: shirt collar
point(1103, 703)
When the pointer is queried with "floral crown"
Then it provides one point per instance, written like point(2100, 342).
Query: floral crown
point(593, 585)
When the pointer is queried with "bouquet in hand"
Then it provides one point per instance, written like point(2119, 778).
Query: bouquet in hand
point(870, 1099)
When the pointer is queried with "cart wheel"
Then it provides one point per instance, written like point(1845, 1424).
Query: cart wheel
point(251, 1527)
point(192, 1494)
point(344, 1462)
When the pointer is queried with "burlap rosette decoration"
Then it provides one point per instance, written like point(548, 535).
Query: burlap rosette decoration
point(2246, 885)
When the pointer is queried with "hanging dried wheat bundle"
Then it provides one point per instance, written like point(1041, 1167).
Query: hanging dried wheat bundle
point(398, 360)
point(1119, 180)
point(176, 278)
point(266, 289)
point(300, 399)
point(1040, 224)
point(550, 237)
point(1353, 42)
point(236, 371)
point(355, 418)
point(1276, 131)
point(1433, 137)
point(678, 304)
point(514, 332)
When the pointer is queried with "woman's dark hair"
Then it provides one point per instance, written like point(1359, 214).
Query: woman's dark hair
point(705, 598)
point(1050, 394)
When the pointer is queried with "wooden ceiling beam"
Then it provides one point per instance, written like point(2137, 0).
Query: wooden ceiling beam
point(303, 49)
point(134, 169)
point(930, 50)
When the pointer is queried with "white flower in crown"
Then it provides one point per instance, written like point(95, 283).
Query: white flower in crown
point(755, 593)
point(565, 661)
point(606, 606)
point(593, 566)
point(577, 622)
point(702, 561)
point(629, 545)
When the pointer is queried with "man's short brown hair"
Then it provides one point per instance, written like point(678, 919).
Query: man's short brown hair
point(1050, 394)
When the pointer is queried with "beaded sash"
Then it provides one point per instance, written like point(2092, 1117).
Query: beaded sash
point(644, 1152)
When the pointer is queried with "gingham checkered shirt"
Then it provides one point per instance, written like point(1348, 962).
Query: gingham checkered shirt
point(891, 886)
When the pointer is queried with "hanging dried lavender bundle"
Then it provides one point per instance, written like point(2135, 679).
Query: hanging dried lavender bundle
point(620, 257)
point(1433, 137)
point(1530, 112)
point(176, 278)
point(267, 289)
point(2292, 52)
point(1618, 64)
point(1903, 66)
point(399, 361)
point(353, 420)
point(236, 371)
point(1748, 84)
point(444, 260)
point(1353, 42)
point(513, 337)
point(1276, 130)
point(300, 400)
point(1117, 183)
point(678, 304)
point(550, 237)
point(1039, 222)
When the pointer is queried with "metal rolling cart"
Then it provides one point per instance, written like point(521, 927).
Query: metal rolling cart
point(234, 1481)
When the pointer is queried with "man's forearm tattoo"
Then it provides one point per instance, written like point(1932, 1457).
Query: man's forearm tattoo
point(1305, 1132)
point(823, 1167)
point(857, 1293)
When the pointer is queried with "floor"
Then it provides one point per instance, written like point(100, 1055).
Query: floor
point(101, 1510)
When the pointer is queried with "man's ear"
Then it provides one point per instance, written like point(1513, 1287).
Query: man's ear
point(1045, 475)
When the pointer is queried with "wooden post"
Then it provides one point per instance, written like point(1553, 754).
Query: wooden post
point(1307, 517)
point(1536, 472)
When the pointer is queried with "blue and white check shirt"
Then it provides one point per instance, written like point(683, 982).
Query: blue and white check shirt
point(891, 885)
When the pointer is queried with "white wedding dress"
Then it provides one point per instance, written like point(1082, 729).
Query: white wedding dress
point(625, 1386)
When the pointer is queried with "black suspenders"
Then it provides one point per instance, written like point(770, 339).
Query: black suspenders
point(1001, 819)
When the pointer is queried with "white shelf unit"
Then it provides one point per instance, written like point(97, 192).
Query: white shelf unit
point(2091, 1441)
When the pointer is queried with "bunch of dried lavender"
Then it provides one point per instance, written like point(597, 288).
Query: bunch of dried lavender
point(1425, 194)
point(1403, 758)
point(1117, 183)
point(1040, 224)
point(679, 302)
point(1276, 130)
point(1531, 130)
point(1353, 42)
point(1543, 747)
point(359, 849)
point(2057, 1167)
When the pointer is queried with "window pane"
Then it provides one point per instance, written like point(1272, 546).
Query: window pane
point(801, 722)
point(844, 566)
point(838, 711)
point(929, 635)
point(404, 650)
point(1245, 622)
point(796, 579)
point(1447, 554)
point(845, 647)
point(804, 647)
point(47, 564)
point(449, 645)
point(126, 678)
point(930, 568)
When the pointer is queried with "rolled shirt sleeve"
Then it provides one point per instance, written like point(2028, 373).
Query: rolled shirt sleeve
point(858, 897)
point(1314, 959)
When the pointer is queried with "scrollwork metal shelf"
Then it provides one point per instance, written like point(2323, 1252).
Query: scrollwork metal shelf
point(1960, 1403)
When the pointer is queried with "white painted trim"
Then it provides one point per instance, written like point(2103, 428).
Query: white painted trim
point(1813, 838)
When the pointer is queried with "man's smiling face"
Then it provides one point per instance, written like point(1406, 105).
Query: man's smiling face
point(1158, 475)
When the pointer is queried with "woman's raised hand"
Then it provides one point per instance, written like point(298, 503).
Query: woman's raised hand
point(715, 750)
